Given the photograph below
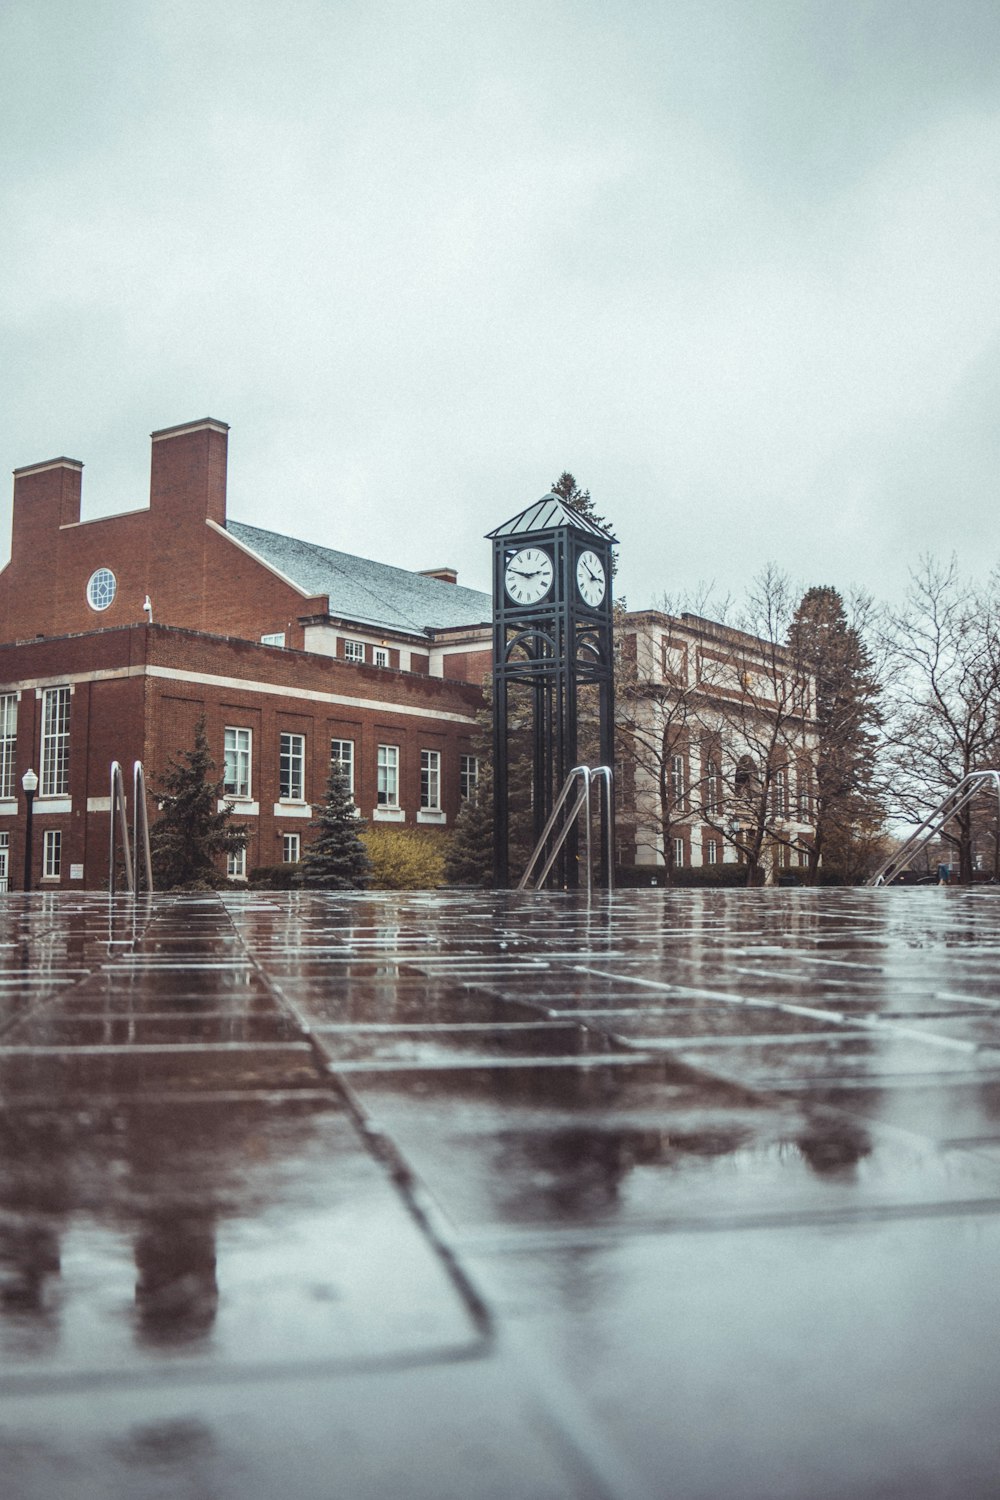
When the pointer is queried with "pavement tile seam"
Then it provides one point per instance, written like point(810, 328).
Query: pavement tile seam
point(532, 1241)
point(192, 1374)
point(418, 1201)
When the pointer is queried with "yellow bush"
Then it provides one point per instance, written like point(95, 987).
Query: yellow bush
point(405, 859)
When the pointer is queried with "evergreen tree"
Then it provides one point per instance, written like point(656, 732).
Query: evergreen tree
point(569, 491)
point(469, 860)
point(848, 816)
point(190, 836)
point(336, 859)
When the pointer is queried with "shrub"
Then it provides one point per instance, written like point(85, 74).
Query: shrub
point(405, 859)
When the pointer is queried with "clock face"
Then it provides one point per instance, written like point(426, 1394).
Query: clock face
point(590, 578)
point(528, 576)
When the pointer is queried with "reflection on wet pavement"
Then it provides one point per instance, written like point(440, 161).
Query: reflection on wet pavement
point(686, 1193)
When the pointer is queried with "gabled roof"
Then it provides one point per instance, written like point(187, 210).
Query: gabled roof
point(370, 593)
point(547, 513)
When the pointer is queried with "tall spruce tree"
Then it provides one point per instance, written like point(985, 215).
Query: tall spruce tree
point(336, 859)
point(847, 812)
point(191, 835)
point(568, 490)
point(469, 860)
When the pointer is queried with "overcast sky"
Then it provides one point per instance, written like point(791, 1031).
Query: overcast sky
point(735, 263)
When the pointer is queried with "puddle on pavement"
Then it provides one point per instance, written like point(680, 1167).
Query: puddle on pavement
point(238, 1233)
point(442, 1045)
point(54, 1029)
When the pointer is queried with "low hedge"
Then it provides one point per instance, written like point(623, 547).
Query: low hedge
point(637, 876)
point(274, 877)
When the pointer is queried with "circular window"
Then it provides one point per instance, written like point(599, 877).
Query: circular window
point(101, 588)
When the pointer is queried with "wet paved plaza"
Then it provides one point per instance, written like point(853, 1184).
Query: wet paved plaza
point(685, 1194)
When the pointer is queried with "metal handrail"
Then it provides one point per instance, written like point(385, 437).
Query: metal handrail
point(949, 807)
point(140, 823)
point(119, 830)
point(585, 775)
point(119, 811)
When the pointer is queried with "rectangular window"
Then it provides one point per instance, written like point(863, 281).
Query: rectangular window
point(711, 851)
point(677, 779)
point(52, 853)
point(430, 779)
point(779, 792)
point(236, 782)
point(8, 743)
point(713, 801)
point(292, 768)
point(468, 776)
point(804, 789)
point(678, 854)
point(388, 776)
point(55, 742)
point(236, 865)
point(342, 755)
point(276, 638)
point(380, 656)
point(354, 650)
point(291, 846)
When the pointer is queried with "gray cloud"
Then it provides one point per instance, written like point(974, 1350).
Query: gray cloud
point(735, 265)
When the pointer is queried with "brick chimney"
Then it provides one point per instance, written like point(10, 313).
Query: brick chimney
point(187, 478)
point(443, 575)
point(46, 496)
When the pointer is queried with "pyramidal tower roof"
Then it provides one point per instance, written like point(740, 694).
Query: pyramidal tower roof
point(545, 515)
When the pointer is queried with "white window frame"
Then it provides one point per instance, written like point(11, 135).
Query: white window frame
point(236, 864)
point(354, 650)
point(380, 656)
point(291, 848)
point(677, 780)
point(56, 708)
point(102, 587)
point(273, 638)
point(4, 861)
point(387, 791)
point(779, 793)
point(8, 744)
point(52, 854)
point(711, 851)
point(468, 776)
point(712, 779)
point(804, 789)
point(430, 780)
point(344, 760)
point(679, 854)
point(291, 767)
point(238, 756)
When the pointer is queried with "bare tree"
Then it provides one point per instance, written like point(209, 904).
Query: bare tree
point(944, 713)
point(755, 706)
point(715, 731)
point(655, 691)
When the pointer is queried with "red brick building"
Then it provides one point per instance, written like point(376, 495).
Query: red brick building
point(116, 634)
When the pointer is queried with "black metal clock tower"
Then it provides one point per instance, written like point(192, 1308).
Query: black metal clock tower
point(552, 634)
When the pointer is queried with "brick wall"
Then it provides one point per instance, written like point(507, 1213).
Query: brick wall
point(138, 691)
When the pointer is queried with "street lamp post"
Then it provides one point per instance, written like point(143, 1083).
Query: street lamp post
point(29, 781)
